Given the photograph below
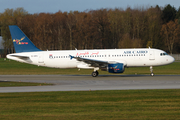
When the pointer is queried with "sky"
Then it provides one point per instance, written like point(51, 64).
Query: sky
point(53, 6)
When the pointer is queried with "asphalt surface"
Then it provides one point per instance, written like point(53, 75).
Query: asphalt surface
point(86, 82)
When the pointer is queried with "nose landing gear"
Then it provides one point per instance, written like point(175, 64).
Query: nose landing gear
point(151, 69)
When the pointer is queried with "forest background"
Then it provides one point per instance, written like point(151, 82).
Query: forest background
point(155, 27)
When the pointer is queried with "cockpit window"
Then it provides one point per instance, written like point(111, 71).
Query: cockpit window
point(163, 54)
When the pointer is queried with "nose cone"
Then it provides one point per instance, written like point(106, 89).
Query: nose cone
point(171, 59)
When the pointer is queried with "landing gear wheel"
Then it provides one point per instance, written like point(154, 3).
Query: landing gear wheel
point(152, 74)
point(151, 69)
point(95, 73)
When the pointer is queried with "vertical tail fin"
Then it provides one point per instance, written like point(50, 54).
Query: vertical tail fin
point(21, 42)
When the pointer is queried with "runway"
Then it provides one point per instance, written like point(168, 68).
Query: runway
point(86, 82)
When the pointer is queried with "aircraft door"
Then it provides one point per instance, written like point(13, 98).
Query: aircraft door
point(41, 58)
point(151, 55)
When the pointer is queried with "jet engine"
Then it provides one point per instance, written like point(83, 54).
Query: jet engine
point(116, 68)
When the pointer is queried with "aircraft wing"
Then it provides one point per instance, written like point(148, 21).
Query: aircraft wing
point(92, 62)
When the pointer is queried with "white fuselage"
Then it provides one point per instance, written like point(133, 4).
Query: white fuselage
point(61, 59)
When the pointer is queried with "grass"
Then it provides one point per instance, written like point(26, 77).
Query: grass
point(12, 84)
point(10, 67)
point(125, 104)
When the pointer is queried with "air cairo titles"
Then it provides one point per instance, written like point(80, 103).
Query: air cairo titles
point(136, 52)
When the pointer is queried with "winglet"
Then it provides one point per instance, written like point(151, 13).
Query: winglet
point(21, 42)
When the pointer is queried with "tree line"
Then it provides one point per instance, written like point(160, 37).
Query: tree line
point(154, 27)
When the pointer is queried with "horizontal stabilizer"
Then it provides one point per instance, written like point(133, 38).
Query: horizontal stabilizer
point(21, 57)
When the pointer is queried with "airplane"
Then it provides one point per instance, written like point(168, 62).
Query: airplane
point(111, 60)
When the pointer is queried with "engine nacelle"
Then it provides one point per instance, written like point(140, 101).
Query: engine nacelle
point(116, 68)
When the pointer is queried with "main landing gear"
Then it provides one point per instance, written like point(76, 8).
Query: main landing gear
point(151, 69)
point(95, 73)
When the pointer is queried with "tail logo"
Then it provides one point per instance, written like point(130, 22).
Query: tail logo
point(19, 41)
